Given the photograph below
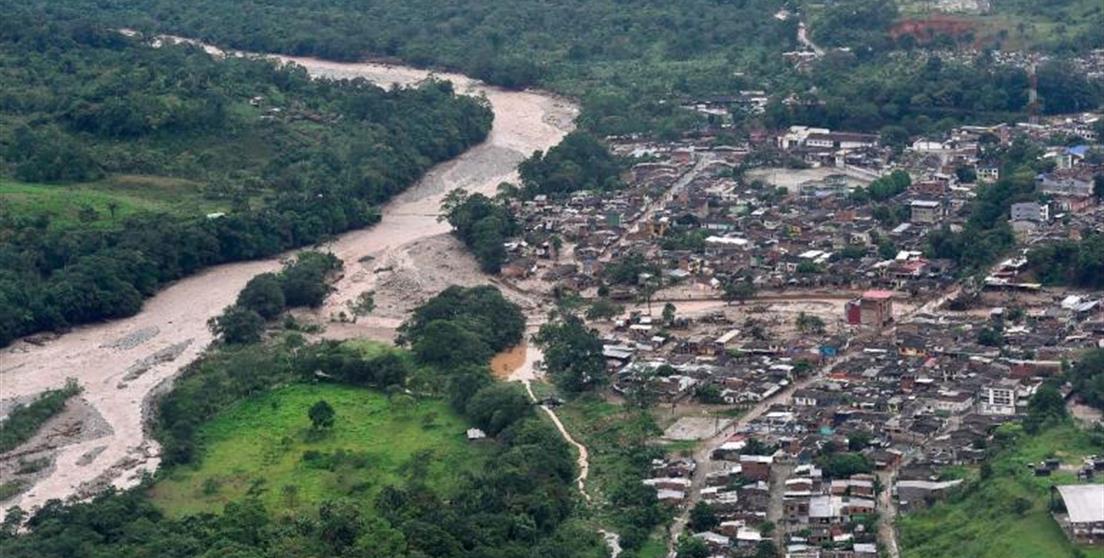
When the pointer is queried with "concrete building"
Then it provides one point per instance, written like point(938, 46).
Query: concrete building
point(999, 399)
point(988, 173)
point(1059, 185)
point(925, 212)
point(916, 494)
point(875, 308)
point(823, 138)
point(756, 467)
point(1030, 211)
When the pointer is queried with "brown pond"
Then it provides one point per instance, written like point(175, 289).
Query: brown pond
point(505, 363)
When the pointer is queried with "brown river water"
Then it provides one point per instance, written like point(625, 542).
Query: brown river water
point(171, 330)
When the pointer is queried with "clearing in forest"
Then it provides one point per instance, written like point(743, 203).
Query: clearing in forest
point(266, 446)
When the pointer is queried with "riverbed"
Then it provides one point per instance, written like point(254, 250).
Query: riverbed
point(174, 321)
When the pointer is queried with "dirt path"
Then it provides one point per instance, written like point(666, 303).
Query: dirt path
point(887, 515)
point(526, 373)
point(803, 38)
point(99, 355)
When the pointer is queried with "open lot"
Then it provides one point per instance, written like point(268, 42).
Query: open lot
point(111, 200)
point(260, 447)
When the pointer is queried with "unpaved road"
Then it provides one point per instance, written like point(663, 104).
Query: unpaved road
point(524, 121)
point(526, 373)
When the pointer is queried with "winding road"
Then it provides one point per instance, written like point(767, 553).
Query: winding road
point(99, 356)
point(525, 374)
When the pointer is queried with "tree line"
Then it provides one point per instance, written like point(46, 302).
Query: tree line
point(302, 282)
point(483, 225)
point(297, 181)
point(1077, 263)
point(579, 162)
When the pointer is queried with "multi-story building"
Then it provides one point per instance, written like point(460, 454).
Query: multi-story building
point(925, 212)
point(997, 399)
point(1030, 211)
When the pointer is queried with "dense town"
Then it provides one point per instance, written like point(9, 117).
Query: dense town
point(849, 375)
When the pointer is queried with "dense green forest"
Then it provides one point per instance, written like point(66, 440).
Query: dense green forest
point(631, 62)
point(625, 59)
point(292, 160)
point(579, 162)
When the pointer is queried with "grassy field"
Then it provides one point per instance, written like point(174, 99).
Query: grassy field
point(261, 447)
point(656, 547)
point(601, 427)
point(1022, 24)
point(984, 521)
point(66, 204)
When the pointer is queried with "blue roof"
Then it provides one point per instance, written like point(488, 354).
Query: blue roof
point(1078, 150)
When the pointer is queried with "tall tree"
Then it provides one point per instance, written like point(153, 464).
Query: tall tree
point(572, 354)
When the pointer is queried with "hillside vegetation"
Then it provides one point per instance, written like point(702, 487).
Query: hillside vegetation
point(1004, 511)
point(114, 152)
point(632, 63)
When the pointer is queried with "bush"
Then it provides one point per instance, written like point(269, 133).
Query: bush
point(263, 294)
point(237, 326)
point(497, 406)
point(24, 420)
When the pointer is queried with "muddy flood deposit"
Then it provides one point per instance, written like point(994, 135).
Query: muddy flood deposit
point(123, 363)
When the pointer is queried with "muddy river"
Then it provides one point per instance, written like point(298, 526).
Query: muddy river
point(120, 363)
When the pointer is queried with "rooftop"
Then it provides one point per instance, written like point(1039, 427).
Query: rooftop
point(878, 294)
point(1084, 502)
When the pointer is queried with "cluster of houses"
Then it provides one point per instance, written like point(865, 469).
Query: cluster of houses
point(907, 395)
point(911, 403)
point(701, 219)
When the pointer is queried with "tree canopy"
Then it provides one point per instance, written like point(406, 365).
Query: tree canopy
point(579, 162)
point(572, 354)
point(1087, 377)
point(483, 225)
point(81, 101)
point(479, 311)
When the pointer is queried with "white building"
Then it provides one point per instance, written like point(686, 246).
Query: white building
point(997, 400)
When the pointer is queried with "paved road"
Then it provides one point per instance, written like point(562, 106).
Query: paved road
point(703, 161)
